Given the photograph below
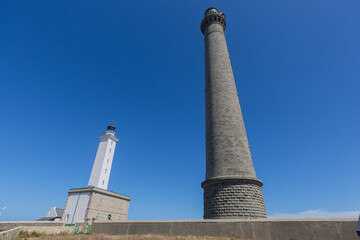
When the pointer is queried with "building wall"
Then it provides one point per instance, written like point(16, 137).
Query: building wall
point(102, 205)
point(75, 208)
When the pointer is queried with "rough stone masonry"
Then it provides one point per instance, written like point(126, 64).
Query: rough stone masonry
point(231, 188)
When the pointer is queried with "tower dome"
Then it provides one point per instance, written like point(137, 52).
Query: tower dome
point(211, 10)
point(111, 127)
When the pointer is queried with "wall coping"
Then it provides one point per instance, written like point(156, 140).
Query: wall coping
point(100, 191)
point(35, 222)
point(237, 220)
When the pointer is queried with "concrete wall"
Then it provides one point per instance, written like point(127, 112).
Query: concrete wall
point(14, 228)
point(14, 224)
point(10, 234)
point(82, 226)
point(49, 229)
point(264, 229)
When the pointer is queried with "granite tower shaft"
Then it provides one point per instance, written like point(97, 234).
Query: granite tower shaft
point(231, 188)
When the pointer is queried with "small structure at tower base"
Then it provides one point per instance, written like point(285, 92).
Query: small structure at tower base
point(95, 204)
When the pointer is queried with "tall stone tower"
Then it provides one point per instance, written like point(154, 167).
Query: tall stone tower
point(100, 173)
point(231, 189)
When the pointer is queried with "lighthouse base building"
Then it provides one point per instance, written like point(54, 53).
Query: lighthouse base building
point(95, 202)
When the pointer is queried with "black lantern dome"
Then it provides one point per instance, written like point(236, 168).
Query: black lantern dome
point(111, 127)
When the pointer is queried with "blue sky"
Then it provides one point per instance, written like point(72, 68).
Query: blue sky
point(69, 68)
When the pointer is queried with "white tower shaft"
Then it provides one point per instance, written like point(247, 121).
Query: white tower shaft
point(100, 173)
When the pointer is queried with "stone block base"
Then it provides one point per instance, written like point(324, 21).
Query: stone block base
point(233, 200)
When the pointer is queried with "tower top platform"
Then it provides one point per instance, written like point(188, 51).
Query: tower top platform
point(212, 15)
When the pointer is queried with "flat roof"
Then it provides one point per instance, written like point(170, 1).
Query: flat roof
point(100, 191)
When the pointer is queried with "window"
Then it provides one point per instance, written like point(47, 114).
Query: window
point(112, 203)
point(97, 216)
point(119, 218)
point(109, 217)
point(108, 161)
point(111, 143)
point(101, 202)
point(105, 170)
point(110, 150)
point(103, 182)
point(121, 205)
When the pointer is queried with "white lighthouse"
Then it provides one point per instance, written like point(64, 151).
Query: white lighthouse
point(102, 165)
point(95, 202)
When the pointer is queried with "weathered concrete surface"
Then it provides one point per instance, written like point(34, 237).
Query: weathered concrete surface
point(264, 229)
point(10, 234)
point(13, 228)
point(14, 224)
point(48, 229)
